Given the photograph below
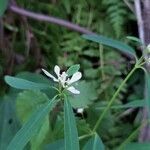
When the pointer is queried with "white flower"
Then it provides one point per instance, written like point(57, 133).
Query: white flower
point(63, 79)
point(80, 110)
point(148, 47)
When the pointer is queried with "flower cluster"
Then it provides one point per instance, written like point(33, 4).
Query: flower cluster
point(64, 80)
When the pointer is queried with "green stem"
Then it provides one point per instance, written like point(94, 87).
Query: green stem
point(131, 136)
point(86, 136)
point(113, 98)
point(101, 61)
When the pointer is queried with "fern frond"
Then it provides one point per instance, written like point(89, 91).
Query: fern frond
point(116, 12)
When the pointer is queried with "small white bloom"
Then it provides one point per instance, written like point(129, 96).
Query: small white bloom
point(148, 60)
point(80, 110)
point(49, 75)
point(148, 47)
point(64, 80)
point(76, 76)
point(73, 90)
point(57, 70)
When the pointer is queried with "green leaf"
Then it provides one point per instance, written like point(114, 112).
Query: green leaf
point(9, 123)
point(135, 39)
point(24, 84)
point(132, 104)
point(3, 6)
point(95, 143)
point(91, 73)
point(38, 78)
point(34, 77)
point(137, 146)
point(70, 129)
point(27, 102)
point(87, 95)
point(31, 127)
point(112, 43)
point(58, 145)
point(67, 6)
point(37, 141)
point(73, 69)
point(147, 91)
point(91, 53)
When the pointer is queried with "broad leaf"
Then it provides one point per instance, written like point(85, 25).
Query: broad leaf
point(24, 84)
point(73, 69)
point(38, 78)
point(30, 128)
point(58, 145)
point(95, 143)
point(9, 123)
point(3, 6)
point(112, 43)
point(27, 102)
point(86, 96)
point(70, 129)
point(34, 77)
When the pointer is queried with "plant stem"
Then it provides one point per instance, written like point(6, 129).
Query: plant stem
point(101, 61)
point(86, 136)
point(114, 97)
point(131, 136)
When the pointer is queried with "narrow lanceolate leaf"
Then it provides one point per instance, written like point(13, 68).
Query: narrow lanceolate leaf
point(70, 129)
point(147, 91)
point(3, 6)
point(137, 146)
point(73, 69)
point(57, 145)
point(9, 123)
point(24, 84)
point(95, 143)
point(112, 43)
point(134, 39)
point(132, 104)
point(30, 128)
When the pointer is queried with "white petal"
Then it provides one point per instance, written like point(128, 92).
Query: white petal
point(80, 110)
point(57, 70)
point(77, 76)
point(49, 75)
point(63, 78)
point(73, 90)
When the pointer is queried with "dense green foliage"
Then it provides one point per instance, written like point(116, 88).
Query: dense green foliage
point(28, 104)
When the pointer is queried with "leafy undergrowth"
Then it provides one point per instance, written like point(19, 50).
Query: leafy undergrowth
point(29, 45)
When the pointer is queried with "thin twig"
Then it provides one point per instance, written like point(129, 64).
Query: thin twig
point(138, 12)
point(50, 19)
point(129, 5)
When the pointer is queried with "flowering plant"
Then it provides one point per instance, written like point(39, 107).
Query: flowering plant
point(83, 92)
point(63, 79)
